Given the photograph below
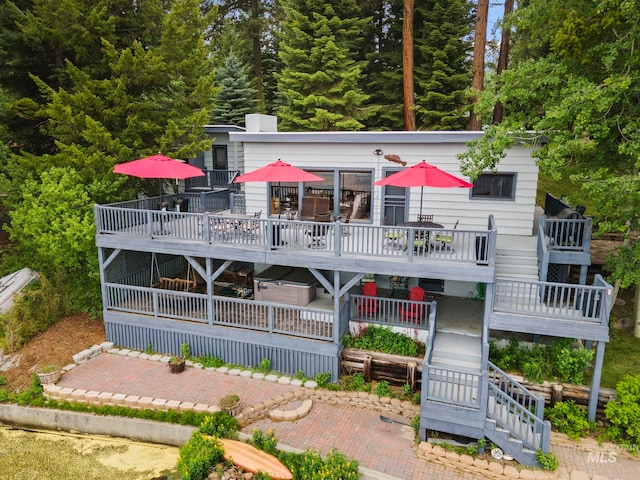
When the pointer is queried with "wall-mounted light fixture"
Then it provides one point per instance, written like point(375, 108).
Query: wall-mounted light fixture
point(378, 152)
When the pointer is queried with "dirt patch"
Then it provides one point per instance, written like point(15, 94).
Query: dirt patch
point(55, 346)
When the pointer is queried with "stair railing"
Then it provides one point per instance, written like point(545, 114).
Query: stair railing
point(517, 410)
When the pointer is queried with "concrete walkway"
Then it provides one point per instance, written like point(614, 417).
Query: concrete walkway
point(384, 450)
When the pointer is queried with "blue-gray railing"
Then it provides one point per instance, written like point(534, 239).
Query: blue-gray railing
point(269, 317)
point(453, 386)
point(447, 245)
point(213, 179)
point(392, 311)
point(587, 303)
point(517, 410)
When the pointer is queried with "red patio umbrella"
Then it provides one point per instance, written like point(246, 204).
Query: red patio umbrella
point(424, 175)
point(158, 166)
point(278, 172)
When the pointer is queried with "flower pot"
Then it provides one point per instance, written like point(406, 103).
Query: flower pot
point(177, 366)
point(47, 378)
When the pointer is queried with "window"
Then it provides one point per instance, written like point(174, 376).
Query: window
point(219, 157)
point(494, 186)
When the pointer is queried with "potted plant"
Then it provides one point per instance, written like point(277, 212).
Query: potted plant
point(177, 363)
point(48, 374)
point(230, 403)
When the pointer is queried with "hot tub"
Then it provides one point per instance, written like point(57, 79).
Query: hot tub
point(288, 285)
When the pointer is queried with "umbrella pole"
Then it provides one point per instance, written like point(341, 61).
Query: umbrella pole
point(421, 190)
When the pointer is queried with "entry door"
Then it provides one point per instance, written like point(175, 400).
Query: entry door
point(394, 202)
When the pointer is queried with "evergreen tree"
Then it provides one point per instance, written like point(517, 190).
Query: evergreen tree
point(382, 50)
point(319, 84)
point(442, 63)
point(237, 96)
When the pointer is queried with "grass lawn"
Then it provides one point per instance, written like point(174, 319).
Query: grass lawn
point(622, 354)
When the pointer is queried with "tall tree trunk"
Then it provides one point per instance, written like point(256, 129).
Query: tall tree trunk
point(503, 58)
point(257, 55)
point(636, 308)
point(407, 65)
point(480, 42)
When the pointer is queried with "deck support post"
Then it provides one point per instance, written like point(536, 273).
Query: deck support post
point(594, 393)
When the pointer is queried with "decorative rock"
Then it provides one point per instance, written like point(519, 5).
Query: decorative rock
point(425, 447)
point(123, 351)
point(186, 406)
point(271, 378)
point(164, 359)
point(77, 395)
point(544, 475)
point(159, 403)
point(118, 398)
point(290, 415)
point(82, 357)
point(68, 367)
point(511, 471)
point(222, 369)
point(296, 382)
point(496, 468)
point(234, 372)
point(134, 354)
point(105, 398)
point(95, 350)
point(213, 409)
point(172, 405)
point(91, 396)
point(453, 456)
point(106, 346)
point(481, 464)
point(466, 459)
point(310, 384)
point(284, 380)
point(438, 451)
point(145, 402)
point(526, 474)
point(144, 356)
point(155, 357)
point(131, 400)
point(113, 351)
point(385, 400)
point(200, 408)
point(246, 373)
point(258, 376)
point(198, 365)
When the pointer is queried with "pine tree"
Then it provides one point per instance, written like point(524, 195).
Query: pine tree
point(319, 84)
point(237, 95)
point(442, 63)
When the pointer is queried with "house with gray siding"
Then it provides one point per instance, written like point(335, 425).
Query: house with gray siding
point(285, 282)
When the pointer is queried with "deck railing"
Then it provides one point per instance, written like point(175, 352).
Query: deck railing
point(292, 320)
point(522, 424)
point(452, 386)
point(392, 311)
point(332, 238)
point(553, 300)
point(519, 393)
point(213, 179)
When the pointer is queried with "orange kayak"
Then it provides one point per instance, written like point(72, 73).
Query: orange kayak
point(251, 459)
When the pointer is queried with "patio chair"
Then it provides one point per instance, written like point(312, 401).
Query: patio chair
point(368, 307)
point(412, 312)
point(318, 233)
point(444, 240)
point(251, 227)
point(395, 239)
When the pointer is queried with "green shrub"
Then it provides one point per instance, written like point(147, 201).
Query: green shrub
point(210, 362)
point(382, 389)
point(385, 340)
point(265, 365)
point(198, 456)
point(572, 363)
point(38, 307)
point(221, 425)
point(548, 461)
point(311, 466)
point(355, 382)
point(265, 442)
point(624, 414)
point(570, 418)
point(323, 379)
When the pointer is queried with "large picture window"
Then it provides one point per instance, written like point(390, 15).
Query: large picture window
point(497, 186)
point(346, 191)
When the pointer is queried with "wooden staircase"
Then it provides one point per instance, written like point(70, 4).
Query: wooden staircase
point(463, 398)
